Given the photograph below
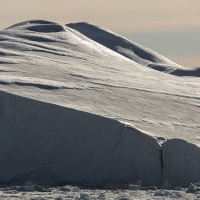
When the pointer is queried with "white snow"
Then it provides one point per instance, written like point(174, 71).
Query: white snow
point(120, 44)
point(66, 101)
point(132, 50)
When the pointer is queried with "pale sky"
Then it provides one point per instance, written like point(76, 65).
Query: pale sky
point(170, 27)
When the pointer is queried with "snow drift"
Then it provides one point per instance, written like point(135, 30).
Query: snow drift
point(75, 108)
point(131, 50)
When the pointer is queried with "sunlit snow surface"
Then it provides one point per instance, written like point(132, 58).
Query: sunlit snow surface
point(105, 75)
point(56, 64)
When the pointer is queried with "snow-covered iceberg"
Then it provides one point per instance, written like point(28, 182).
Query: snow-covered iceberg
point(80, 104)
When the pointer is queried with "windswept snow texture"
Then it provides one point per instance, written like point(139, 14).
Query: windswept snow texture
point(131, 50)
point(66, 100)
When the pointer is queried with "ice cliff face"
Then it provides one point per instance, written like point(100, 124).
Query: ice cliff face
point(67, 94)
point(49, 144)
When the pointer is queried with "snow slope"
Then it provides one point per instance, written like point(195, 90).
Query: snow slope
point(131, 50)
point(74, 110)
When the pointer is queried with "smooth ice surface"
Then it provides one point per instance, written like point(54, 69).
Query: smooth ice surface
point(181, 162)
point(49, 144)
point(70, 96)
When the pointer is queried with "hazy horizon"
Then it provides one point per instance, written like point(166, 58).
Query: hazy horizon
point(171, 28)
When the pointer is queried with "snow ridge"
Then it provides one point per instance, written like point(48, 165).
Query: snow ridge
point(132, 50)
point(127, 48)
